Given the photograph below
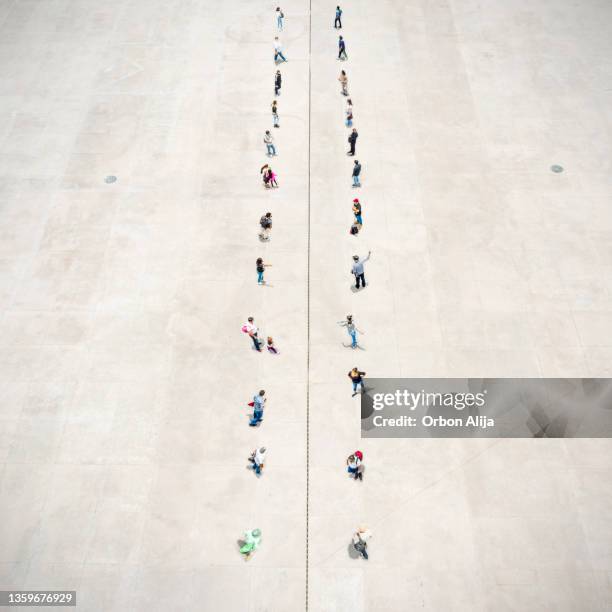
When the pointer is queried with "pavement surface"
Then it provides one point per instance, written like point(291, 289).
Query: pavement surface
point(125, 378)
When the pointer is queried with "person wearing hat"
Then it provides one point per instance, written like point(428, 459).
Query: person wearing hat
point(358, 271)
point(357, 212)
point(251, 542)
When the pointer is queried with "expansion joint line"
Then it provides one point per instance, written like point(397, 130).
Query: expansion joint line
point(308, 310)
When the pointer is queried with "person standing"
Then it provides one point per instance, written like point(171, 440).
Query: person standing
point(360, 541)
point(338, 20)
point(357, 212)
point(277, 83)
point(279, 19)
point(357, 379)
point(278, 50)
point(349, 113)
point(342, 49)
point(358, 271)
point(251, 329)
point(266, 226)
point(251, 542)
point(269, 142)
point(352, 140)
point(259, 402)
point(343, 82)
point(356, 173)
point(351, 329)
point(258, 459)
point(261, 268)
point(353, 464)
point(275, 114)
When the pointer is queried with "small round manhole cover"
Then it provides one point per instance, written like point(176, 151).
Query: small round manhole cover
point(110, 179)
point(556, 168)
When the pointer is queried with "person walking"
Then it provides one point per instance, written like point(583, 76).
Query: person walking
point(277, 83)
point(342, 49)
point(349, 113)
point(266, 227)
point(357, 212)
point(251, 329)
point(338, 19)
point(356, 173)
point(251, 542)
point(269, 142)
point(353, 467)
point(343, 82)
point(275, 114)
point(351, 329)
point(357, 270)
point(278, 50)
point(279, 19)
point(352, 140)
point(360, 541)
point(258, 459)
point(258, 404)
point(261, 267)
point(356, 377)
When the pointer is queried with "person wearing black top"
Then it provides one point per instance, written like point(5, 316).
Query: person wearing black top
point(353, 141)
point(356, 377)
point(277, 83)
point(356, 173)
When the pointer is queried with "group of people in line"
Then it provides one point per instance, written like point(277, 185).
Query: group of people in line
point(257, 458)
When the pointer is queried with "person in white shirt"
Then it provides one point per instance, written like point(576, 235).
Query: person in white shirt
point(269, 142)
point(360, 540)
point(258, 459)
point(250, 328)
point(278, 50)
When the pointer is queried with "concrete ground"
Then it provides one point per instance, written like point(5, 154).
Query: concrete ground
point(124, 376)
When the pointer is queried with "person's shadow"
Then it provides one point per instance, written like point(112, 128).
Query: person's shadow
point(353, 552)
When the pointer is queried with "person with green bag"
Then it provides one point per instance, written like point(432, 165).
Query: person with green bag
point(252, 539)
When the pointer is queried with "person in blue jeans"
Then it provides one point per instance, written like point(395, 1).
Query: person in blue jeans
point(278, 50)
point(356, 377)
point(269, 142)
point(279, 19)
point(258, 408)
point(261, 267)
point(356, 173)
point(351, 329)
point(258, 459)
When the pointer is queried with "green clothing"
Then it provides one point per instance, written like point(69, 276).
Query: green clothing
point(252, 540)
